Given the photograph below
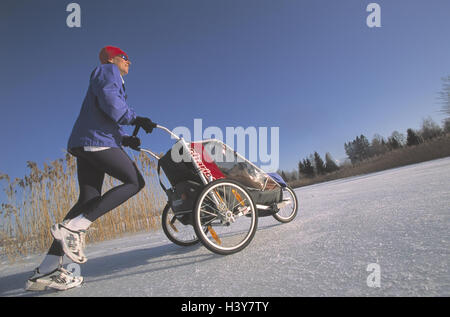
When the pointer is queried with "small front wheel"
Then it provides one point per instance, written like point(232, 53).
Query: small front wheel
point(226, 209)
point(287, 212)
point(175, 230)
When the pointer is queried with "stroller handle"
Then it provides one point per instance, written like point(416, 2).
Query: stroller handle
point(136, 130)
point(137, 127)
point(186, 145)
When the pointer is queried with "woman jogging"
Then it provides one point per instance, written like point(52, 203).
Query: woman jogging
point(96, 141)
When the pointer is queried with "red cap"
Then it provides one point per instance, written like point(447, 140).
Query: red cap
point(109, 52)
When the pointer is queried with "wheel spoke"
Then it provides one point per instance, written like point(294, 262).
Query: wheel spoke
point(209, 213)
point(214, 206)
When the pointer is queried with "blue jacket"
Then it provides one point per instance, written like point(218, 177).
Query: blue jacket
point(103, 112)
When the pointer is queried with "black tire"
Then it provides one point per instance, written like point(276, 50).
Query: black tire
point(210, 215)
point(168, 216)
point(286, 216)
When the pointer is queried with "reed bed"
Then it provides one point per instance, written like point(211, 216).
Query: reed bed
point(44, 197)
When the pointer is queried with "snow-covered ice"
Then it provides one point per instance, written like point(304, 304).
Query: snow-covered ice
point(398, 219)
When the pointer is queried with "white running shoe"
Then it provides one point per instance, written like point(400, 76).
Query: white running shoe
point(59, 279)
point(72, 242)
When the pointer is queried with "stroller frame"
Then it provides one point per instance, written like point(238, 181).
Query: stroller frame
point(212, 187)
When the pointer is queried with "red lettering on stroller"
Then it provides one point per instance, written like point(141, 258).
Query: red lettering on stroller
point(202, 166)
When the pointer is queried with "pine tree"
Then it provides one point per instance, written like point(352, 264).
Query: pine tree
point(308, 169)
point(399, 138)
point(301, 169)
point(364, 147)
point(393, 143)
point(358, 149)
point(320, 166)
point(412, 138)
point(330, 164)
point(378, 145)
point(350, 151)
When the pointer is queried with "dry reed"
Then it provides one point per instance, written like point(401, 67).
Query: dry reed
point(45, 196)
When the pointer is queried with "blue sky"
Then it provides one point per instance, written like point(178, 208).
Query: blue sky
point(312, 68)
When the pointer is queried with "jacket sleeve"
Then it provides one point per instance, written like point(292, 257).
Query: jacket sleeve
point(122, 133)
point(105, 83)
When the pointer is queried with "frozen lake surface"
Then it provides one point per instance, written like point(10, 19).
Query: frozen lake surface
point(397, 219)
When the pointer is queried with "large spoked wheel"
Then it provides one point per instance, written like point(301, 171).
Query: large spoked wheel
point(287, 212)
point(226, 209)
point(175, 230)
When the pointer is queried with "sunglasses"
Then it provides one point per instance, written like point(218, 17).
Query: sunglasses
point(124, 57)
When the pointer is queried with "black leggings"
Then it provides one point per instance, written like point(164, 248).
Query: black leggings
point(91, 169)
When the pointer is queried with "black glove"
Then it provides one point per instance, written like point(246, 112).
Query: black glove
point(145, 123)
point(131, 141)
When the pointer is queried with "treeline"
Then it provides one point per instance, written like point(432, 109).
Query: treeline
point(311, 167)
point(361, 149)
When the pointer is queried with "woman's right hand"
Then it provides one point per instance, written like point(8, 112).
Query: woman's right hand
point(145, 123)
